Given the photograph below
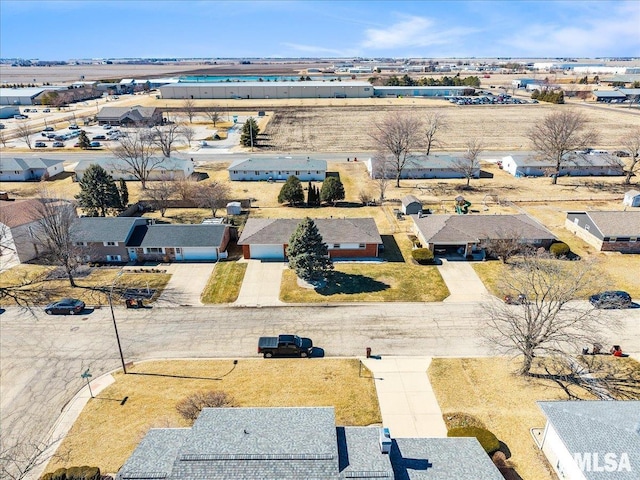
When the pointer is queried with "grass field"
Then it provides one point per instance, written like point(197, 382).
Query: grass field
point(107, 432)
point(224, 283)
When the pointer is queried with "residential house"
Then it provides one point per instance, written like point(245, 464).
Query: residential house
point(104, 239)
point(465, 233)
point(632, 198)
point(167, 168)
point(575, 165)
point(24, 169)
point(278, 169)
point(420, 166)
point(298, 443)
point(411, 205)
point(267, 238)
point(592, 440)
point(607, 231)
point(168, 243)
point(129, 116)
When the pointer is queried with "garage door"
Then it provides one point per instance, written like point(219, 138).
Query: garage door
point(197, 253)
point(265, 252)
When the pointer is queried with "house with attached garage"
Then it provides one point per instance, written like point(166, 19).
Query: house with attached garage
point(419, 166)
point(163, 168)
point(607, 231)
point(574, 165)
point(129, 115)
point(298, 443)
point(464, 234)
point(277, 169)
point(268, 238)
point(14, 169)
point(591, 440)
point(104, 239)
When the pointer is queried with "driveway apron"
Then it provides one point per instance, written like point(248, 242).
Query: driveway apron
point(261, 284)
point(462, 281)
point(186, 284)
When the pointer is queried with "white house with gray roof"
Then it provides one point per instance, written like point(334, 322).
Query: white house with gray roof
point(592, 440)
point(278, 169)
point(14, 169)
point(575, 165)
point(298, 443)
point(166, 168)
point(607, 231)
point(420, 166)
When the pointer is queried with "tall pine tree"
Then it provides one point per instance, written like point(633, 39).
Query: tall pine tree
point(124, 193)
point(308, 254)
point(291, 192)
point(332, 190)
point(249, 134)
point(98, 192)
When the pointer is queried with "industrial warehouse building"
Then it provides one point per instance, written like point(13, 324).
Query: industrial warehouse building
point(231, 90)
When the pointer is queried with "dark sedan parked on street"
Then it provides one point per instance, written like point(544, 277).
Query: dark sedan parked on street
point(611, 299)
point(66, 306)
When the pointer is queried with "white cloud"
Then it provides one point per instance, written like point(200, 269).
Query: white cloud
point(311, 50)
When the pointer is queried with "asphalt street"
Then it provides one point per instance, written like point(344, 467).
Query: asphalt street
point(42, 357)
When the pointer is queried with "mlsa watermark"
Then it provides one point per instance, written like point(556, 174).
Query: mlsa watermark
point(607, 462)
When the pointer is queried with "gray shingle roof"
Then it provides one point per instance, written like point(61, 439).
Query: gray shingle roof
point(196, 235)
point(136, 112)
point(103, 229)
point(278, 163)
point(277, 231)
point(572, 160)
point(21, 164)
point(441, 459)
point(616, 223)
point(359, 453)
point(154, 456)
point(114, 163)
point(410, 199)
point(473, 228)
point(599, 427)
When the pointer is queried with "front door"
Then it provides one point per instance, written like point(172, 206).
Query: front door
point(132, 254)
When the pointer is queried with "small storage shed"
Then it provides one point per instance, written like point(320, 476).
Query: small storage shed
point(632, 198)
point(411, 205)
point(234, 208)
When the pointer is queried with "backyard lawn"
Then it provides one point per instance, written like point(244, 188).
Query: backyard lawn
point(154, 388)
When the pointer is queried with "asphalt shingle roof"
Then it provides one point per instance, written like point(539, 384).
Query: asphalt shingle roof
point(616, 223)
point(360, 455)
point(453, 229)
point(155, 455)
point(571, 160)
point(278, 163)
point(21, 212)
point(21, 164)
point(103, 229)
point(137, 112)
point(277, 231)
point(599, 427)
point(197, 235)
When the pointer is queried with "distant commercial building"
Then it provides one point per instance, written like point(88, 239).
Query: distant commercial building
point(417, 91)
point(8, 111)
point(23, 96)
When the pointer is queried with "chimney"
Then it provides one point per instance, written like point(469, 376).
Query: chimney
point(385, 440)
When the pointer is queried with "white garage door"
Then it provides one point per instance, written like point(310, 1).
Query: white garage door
point(267, 252)
point(197, 253)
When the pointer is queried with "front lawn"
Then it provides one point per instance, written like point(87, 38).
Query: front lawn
point(224, 283)
point(107, 432)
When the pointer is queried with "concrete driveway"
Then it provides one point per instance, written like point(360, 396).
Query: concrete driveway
point(261, 284)
point(186, 284)
point(462, 281)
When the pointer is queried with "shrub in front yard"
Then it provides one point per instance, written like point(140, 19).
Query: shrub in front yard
point(488, 440)
point(74, 473)
point(461, 419)
point(559, 249)
point(423, 256)
point(191, 406)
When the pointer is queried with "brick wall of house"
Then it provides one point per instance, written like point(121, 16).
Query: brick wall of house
point(370, 250)
point(624, 247)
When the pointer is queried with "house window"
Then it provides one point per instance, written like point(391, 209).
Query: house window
point(154, 250)
point(110, 244)
point(633, 239)
point(297, 172)
point(257, 172)
point(235, 171)
point(336, 245)
point(114, 258)
point(81, 244)
point(586, 227)
point(178, 250)
point(361, 245)
point(613, 239)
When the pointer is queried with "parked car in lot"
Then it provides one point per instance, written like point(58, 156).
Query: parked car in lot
point(611, 299)
point(58, 144)
point(107, 127)
point(40, 144)
point(46, 110)
point(66, 306)
point(20, 117)
point(99, 137)
point(34, 110)
point(51, 135)
point(94, 144)
point(48, 129)
point(285, 346)
point(74, 127)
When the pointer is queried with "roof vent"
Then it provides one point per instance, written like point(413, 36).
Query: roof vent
point(385, 440)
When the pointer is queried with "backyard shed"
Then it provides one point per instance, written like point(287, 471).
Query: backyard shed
point(234, 208)
point(411, 205)
point(632, 198)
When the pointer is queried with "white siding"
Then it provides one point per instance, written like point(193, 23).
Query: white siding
point(559, 457)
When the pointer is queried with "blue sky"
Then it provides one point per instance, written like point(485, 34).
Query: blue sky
point(61, 30)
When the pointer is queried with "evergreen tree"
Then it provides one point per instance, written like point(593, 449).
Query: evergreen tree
point(291, 191)
point(249, 134)
point(83, 140)
point(124, 193)
point(308, 254)
point(98, 192)
point(310, 194)
point(332, 190)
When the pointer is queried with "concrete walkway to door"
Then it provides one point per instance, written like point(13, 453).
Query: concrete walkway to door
point(462, 281)
point(261, 284)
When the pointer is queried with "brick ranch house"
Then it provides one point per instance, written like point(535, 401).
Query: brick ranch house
point(615, 231)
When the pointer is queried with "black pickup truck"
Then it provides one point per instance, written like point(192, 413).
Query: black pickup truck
point(285, 346)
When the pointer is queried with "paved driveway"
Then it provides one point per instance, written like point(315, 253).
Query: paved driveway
point(462, 281)
point(186, 284)
point(261, 284)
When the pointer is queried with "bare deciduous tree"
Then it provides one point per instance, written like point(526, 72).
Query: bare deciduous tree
point(505, 245)
point(382, 172)
point(434, 123)
point(550, 322)
point(25, 132)
point(185, 187)
point(189, 109)
point(213, 114)
point(137, 149)
point(188, 133)
point(165, 137)
point(469, 164)
point(213, 195)
point(397, 134)
point(559, 135)
point(3, 138)
point(631, 143)
point(54, 230)
point(161, 192)
point(19, 460)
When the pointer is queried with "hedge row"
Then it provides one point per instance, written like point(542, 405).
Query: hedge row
point(74, 473)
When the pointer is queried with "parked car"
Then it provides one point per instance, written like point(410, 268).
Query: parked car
point(66, 306)
point(48, 129)
point(74, 127)
point(611, 299)
point(1, 126)
point(27, 110)
point(51, 135)
point(285, 345)
point(20, 117)
point(58, 144)
point(34, 110)
point(46, 110)
point(99, 137)
point(107, 127)
point(94, 144)
point(40, 144)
